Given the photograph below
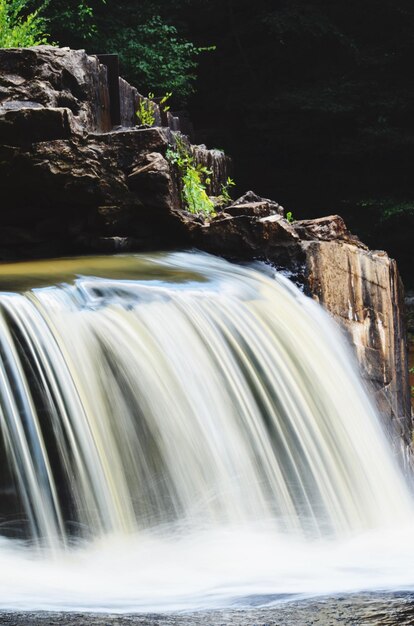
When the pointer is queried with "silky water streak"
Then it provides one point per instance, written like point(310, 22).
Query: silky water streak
point(190, 434)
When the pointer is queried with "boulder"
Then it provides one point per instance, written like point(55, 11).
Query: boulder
point(251, 198)
point(57, 78)
point(254, 209)
point(247, 236)
point(329, 228)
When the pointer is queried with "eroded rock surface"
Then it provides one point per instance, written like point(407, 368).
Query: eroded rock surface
point(56, 78)
point(363, 290)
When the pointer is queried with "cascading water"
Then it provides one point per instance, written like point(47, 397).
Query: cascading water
point(193, 433)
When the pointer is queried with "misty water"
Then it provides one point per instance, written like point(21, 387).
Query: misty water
point(180, 433)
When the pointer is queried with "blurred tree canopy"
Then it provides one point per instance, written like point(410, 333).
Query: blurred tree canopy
point(20, 26)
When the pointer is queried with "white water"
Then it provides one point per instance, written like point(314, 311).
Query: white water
point(213, 440)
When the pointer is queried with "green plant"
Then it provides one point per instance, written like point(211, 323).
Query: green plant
point(225, 190)
point(164, 99)
point(18, 27)
point(146, 108)
point(146, 111)
point(289, 217)
point(194, 178)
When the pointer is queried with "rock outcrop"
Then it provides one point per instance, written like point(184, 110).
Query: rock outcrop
point(363, 291)
point(71, 182)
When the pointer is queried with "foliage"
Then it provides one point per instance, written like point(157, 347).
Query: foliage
point(289, 217)
point(153, 55)
point(163, 102)
point(399, 209)
point(146, 110)
point(72, 23)
point(386, 208)
point(19, 27)
point(225, 190)
point(194, 178)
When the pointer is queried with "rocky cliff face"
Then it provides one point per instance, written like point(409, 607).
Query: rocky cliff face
point(363, 291)
point(72, 183)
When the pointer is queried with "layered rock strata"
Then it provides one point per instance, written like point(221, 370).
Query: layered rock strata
point(71, 183)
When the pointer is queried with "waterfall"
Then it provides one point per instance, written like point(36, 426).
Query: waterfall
point(179, 396)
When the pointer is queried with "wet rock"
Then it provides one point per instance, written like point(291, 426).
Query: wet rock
point(248, 237)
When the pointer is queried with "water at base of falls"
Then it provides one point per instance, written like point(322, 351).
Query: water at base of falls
point(181, 433)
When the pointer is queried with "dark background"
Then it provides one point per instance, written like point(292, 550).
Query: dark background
point(313, 99)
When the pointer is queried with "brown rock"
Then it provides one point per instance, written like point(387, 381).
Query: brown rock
point(246, 237)
point(57, 78)
point(330, 228)
point(363, 291)
point(250, 198)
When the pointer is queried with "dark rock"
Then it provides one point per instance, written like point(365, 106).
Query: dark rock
point(24, 125)
point(247, 237)
point(151, 181)
point(254, 209)
point(250, 198)
point(129, 101)
point(57, 78)
point(118, 183)
point(329, 228)
point(216, 162)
